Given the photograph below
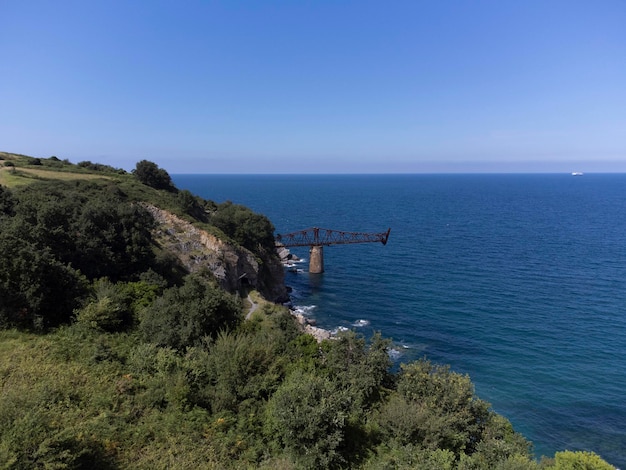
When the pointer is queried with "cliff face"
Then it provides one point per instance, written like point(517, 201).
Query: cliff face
point(235, 267)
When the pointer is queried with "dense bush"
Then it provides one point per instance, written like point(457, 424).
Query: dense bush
point(36, 289)
point(184, 315)
point(192, 205)
point(437, 408)
point(359, 369)
point(308, 416)
point(55, 237)
point(85, 224)
point(115, 307)
point(112, 240)
point(99, 167)
point(568, 460)
point(7, 202)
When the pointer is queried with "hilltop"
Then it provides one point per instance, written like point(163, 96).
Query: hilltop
point(232, 242)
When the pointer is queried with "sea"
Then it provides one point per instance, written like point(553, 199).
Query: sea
point(518, 280)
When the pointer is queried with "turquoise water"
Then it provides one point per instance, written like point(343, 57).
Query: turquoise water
point(517, 280)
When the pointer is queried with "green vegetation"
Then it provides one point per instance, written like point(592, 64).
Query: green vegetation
point(113, 355)
point(151, 175)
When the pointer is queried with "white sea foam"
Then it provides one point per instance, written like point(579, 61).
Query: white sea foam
point(394, 354)
point(361, 323)
point(304, 309)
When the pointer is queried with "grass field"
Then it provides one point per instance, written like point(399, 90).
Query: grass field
point(17, 176)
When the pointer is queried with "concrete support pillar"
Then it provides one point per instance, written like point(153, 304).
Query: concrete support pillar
point(316, 259)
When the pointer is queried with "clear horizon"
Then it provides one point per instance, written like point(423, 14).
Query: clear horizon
point(233, 87)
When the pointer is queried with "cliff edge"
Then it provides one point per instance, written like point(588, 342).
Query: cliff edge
point(236, 268)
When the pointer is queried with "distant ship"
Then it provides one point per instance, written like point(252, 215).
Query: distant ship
point(577, 173)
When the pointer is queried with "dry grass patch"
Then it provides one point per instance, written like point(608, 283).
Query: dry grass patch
point(12, 176)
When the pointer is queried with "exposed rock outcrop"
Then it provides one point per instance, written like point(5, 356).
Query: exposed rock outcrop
point(307, 327)
point(235, 267)
point(285, 255)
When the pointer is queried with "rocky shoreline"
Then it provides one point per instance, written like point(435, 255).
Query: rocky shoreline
point(306, 324)
point(320, 334)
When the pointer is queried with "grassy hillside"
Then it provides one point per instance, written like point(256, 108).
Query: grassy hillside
point(16, 170)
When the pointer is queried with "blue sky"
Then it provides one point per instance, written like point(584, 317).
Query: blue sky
point(317, 86)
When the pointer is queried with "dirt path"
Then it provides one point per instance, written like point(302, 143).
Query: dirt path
point(253, 307)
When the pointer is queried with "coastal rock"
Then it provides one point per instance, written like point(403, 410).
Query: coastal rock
point(318, 333)
point(307, 327)
point(285, 255)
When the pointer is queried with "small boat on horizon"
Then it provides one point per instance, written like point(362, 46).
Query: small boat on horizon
point(577, 173)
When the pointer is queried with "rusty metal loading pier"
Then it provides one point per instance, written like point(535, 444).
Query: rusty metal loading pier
point(317, 238)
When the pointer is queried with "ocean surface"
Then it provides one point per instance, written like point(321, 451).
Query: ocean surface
point(517, 280)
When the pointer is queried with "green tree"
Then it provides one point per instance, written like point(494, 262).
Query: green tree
point(151, 175)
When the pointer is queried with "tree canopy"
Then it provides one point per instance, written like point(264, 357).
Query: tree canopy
point(151, 175)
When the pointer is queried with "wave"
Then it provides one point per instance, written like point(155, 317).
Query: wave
point(394, 354)
point(304, 309)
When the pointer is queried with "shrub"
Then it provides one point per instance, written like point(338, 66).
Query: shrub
point(104, 314)
point(37, 291)
point(241, 367)
point(361, 370)
point(568, 460)
point(410, 457)
point(308, 417)
point(184, 315)
point(7, 202)
point(434, 408)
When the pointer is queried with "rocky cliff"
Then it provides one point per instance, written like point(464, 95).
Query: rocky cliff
point(236, 268)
